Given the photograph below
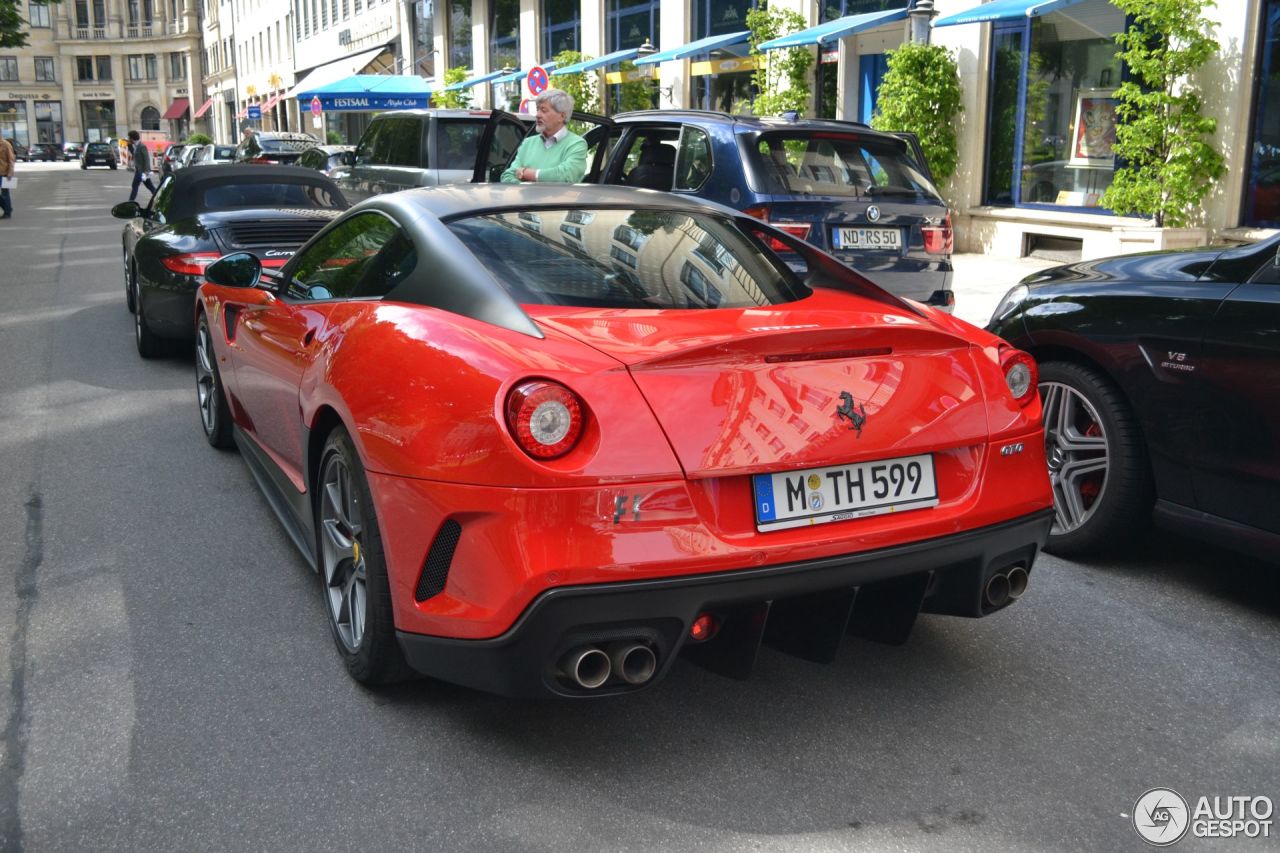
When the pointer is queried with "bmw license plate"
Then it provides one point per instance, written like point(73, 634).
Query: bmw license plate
point(820, 495)
point(866, 238)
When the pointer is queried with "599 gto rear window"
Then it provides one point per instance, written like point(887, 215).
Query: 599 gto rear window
point(627, 259)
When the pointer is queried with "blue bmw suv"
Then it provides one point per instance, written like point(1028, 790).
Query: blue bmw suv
point(862, 195)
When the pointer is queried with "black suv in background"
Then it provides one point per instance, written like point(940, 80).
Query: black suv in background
point(279, 148)
point(98, 154)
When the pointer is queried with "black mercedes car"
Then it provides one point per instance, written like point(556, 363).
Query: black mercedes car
point(1159, 375)
point(198, 215)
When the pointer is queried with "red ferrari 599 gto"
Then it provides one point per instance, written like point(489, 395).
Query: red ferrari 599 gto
point(545, 440)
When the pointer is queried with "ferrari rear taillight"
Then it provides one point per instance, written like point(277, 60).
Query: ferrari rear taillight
point(545, 418)
point(799, 230)
point(1020, 373)
point(190, 263)
point(939, 239)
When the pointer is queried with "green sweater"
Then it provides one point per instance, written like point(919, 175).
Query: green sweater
point(562, 163)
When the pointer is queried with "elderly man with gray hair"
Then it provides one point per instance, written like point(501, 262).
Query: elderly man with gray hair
point(553, 154)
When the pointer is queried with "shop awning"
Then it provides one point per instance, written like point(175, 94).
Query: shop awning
point(837, 29)
point(520, 75)
point(366, 92)
point(694, 48)
point(177, 109)
point(271, 102)
point(204, 108)
point(334, 71)
point(602, 62)
point(473, 81)
point(1004, 10)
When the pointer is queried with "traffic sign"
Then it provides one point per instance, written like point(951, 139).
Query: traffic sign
point(538, 80)
point(255, 112)
point(316, 109)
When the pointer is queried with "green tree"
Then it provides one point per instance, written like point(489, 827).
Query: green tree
point(197, 139)
point(458, 99)
point(781, 76)
point(582, 87)
point(920, 94)
point(636, 94)
point(332, 137)
point(12, 24)
point(1168, 163)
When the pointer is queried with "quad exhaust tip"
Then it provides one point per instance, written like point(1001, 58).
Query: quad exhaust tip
point(1007, 586)
point(590, 667)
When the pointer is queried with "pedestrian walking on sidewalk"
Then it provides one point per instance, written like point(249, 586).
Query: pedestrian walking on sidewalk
point(141, 165)
point(7, 159)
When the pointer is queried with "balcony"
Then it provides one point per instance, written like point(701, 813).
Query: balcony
point(66, 30)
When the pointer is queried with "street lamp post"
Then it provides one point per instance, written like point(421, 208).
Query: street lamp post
point(921, 14)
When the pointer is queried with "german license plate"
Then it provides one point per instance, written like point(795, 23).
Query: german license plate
point(820, 495)
point(866, 238)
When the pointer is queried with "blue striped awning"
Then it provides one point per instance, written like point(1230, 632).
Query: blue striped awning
point(693, 48)
point(603, 62)
point(520, 75)
point(1004, 10)
point(474, 81)
point(837, 29)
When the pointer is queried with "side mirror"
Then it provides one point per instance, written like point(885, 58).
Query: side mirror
point(241, 269)
point(126, 210)
point(348, 158)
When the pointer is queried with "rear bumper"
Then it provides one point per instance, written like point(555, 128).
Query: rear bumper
point(948, 575)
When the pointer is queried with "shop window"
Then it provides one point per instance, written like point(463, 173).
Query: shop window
point(1052, 107)
point(1262, 194)
point(719, 17)
point(561, 27)
point(631, 24)
point(460, 54)
point(504, 34)
point(49, 122)
point(13, 121)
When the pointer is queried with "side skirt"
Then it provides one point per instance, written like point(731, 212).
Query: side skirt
point(1262, 544)
point(290, 506)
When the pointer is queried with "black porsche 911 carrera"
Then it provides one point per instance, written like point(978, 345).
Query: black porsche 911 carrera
point(1159, 375)
point(200, 214)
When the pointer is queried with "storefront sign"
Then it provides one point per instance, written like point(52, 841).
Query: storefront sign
point(366, 103)
point(95, 96)
point(649, 72)
point(722, 66)
point(39, 96)
point(181, 91)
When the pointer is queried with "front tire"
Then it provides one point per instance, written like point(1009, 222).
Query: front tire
point(353, 569)
point(1097, 459)
point(215, 417)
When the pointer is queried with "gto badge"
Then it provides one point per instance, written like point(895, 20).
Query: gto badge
point(873, 213)
point(856, 416)
point(1011, 449)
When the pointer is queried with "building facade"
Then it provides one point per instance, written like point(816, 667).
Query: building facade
point(95, 69)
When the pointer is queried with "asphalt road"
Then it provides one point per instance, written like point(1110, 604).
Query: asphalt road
point(172, 685)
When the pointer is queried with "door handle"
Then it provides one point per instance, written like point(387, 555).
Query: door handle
point(308, 337)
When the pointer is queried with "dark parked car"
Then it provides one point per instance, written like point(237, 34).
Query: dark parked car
point(1158, 374)
point(45, 152)
point(198, 215)
point(99, 154)
point(171, 160)
point(279, 148)
point(327, 158)
point(72, 151)
point(20, 151)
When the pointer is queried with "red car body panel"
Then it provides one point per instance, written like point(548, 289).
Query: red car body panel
point(682, 407)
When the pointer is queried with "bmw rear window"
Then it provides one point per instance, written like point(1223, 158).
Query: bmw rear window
point(820, 163)
point(627, 259)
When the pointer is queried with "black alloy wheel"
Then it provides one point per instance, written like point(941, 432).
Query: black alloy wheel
point(149, 345)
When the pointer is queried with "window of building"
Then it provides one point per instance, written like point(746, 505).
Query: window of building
point(1262, 193)
point(39, 15)
point(9, 69)
point(45, 69)
point(1051, 111)
point(719, 17)
point(98, 119)
point(49, 122)
point(346, 10)
point(177, 66)
point(84, 67)
point(13, 120)
point(99, 13)
point(324, 14)
point(150, 118)
point(561, 27)
point(504, 34)
point(460, 54)
point(82, 14)
point(103, 64)
point(424, 30)
point(631, 24)
point(142, 67)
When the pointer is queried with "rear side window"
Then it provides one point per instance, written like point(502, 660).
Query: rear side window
point(457, 141)
point(627, 259)
point(366, 150)
point(693, 161)
point(833, 164)
point(400, 143)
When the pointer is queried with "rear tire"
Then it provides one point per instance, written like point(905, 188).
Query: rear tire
point(149, 345)
point(1098, 464)
point(353, 569)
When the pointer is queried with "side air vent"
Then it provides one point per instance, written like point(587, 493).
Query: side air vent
point(435, 572)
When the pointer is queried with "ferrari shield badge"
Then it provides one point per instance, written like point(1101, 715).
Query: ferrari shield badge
point(855, 415)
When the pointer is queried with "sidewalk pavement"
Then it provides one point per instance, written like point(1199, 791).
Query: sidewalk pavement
point(980, 282)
